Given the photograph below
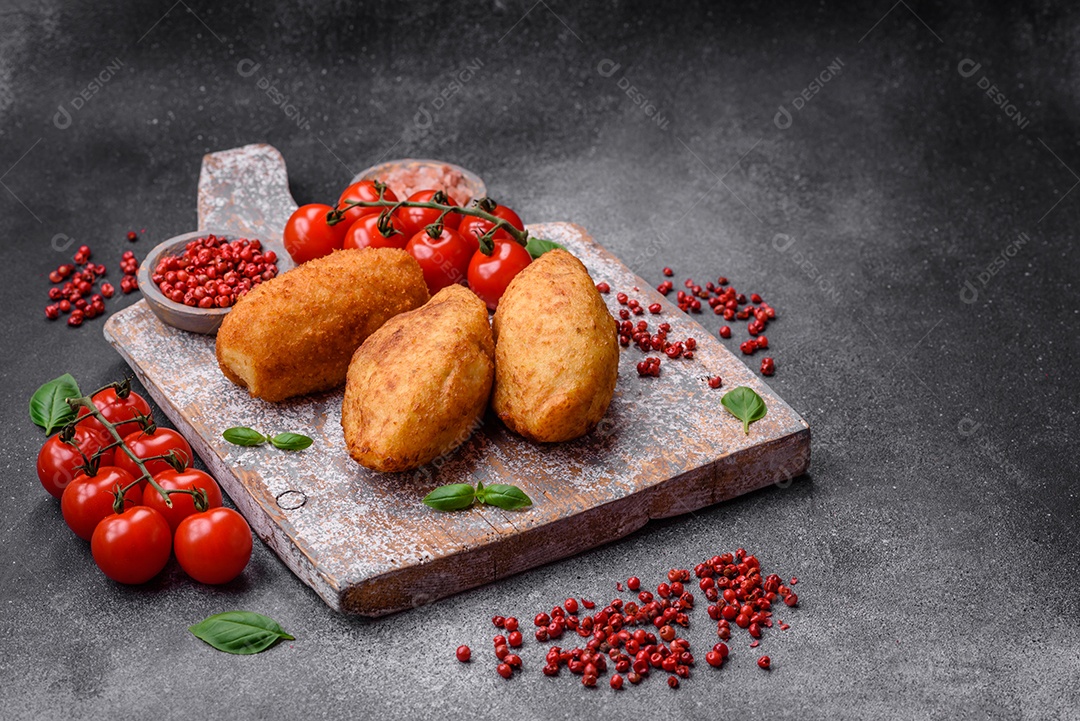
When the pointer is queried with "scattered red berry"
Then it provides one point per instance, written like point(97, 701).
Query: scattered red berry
point(768, 366)
point(715, 382)
point(463, 654)
point(603, 287)
point(764, 662)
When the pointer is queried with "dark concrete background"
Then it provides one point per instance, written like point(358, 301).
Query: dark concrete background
point(935, 538)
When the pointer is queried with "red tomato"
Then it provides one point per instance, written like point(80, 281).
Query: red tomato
point(444, 260)
point(366, 191)
point(89, 499)
point(490, 274)
point(145, 445)
point(416, 219)
point(213, 546)
point(116, 410)
point(501, 211)
point(473, 227)
point(183, 504)
point(132, 547)
point(365, 233)
point(308, 236)
point(57, 461)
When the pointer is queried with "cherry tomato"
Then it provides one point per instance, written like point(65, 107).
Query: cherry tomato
point(501, 211)
point(490, 274)
point(57, 462)
point(365, 233)
point(416, 219)
point(116, 410)
point(364, 190)
point(183, 504)
point(133, 546)
point(444, 260)
point(473, 227)
point(308, 236)
point(145, 445)
point(213, 546)
point(89, 499)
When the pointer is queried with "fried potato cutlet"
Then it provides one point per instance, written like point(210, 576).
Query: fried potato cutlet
point(556, 351)
point(418, 387)
point(296, 333)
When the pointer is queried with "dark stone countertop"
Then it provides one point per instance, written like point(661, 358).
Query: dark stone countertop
point(909, 216)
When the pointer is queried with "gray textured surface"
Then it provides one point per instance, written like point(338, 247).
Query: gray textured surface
point(935, 538)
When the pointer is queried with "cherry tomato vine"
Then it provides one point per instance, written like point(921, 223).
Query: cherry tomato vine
point(482, 208)
point(123, 390)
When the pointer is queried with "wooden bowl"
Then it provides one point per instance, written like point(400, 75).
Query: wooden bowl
point(472, 181)
point(178, 315)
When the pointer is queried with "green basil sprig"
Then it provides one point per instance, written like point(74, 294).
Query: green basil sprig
point(458, 496)
point(48, 405)
point(290, 441)
point(243, 436)
point(453, 497)
point(509, 498)
point(746, 405)
point(539, 246)
point(240, 632)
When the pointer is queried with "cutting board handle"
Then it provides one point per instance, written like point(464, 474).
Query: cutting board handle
point(245, 191)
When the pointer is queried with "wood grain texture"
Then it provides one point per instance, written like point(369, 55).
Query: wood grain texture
point(364, 541)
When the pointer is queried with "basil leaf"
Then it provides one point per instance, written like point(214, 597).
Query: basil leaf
point(241, 436)
point(453, 497)
point(746, 405)
point(508, 498)
point(291, 441)
point(240, 632)
point(48, 406)
point(539, 246)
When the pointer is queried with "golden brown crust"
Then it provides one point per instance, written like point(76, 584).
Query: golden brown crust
point(295, 334)
point(556, 351)
point(419, 386)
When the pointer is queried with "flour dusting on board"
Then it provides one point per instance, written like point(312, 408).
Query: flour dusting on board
point(357, 530)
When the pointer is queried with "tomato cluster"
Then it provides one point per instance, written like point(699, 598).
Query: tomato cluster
point(447, 257)
point(90, 471)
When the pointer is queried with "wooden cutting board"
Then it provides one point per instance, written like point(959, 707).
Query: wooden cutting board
point(364, 541)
